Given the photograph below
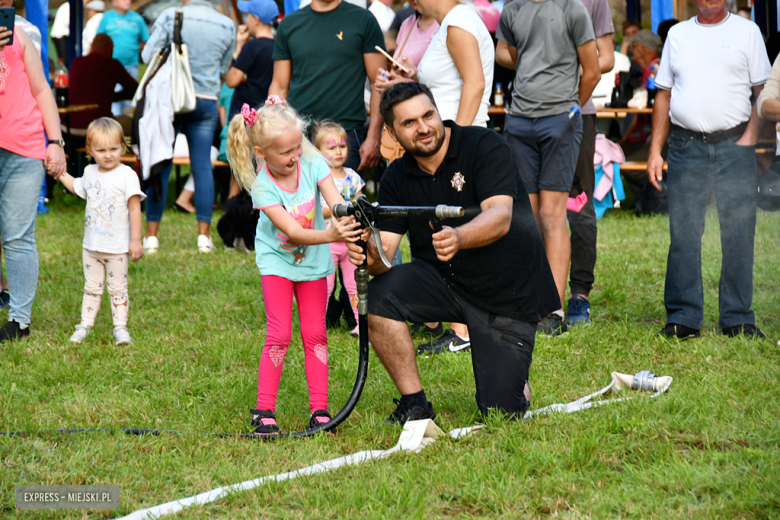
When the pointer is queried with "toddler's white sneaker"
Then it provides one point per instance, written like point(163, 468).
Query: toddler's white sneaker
point(122, 336)
point(82, 331)
point(205, 245)
point(151, 245)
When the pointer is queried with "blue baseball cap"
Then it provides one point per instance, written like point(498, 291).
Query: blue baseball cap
point(265, 10)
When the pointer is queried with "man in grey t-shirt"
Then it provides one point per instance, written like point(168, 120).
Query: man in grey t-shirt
point(546, 42)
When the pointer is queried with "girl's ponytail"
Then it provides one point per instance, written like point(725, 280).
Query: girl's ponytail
point(259, 128)
point(239, 152)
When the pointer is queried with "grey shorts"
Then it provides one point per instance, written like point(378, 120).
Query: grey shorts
point(546, 149)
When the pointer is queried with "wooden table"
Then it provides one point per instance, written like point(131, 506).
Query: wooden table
point(600, 113)
point(67, 111)
point(611, 113)
point(77, 108)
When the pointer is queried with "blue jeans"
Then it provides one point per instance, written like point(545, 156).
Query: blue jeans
point(118, 107)
point(20, 185)
point(695, 170)
point(199, 127)
point(354, 140)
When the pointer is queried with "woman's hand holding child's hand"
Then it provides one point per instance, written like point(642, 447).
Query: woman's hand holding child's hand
point(136, 250)
point(344, 229)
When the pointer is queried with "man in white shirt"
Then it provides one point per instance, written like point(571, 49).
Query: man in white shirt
point(709, 67)
point(383, 12)
point(95, 10)
point(60, 31)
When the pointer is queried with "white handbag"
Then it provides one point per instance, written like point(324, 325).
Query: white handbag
point(182, 87)
point(151, 70)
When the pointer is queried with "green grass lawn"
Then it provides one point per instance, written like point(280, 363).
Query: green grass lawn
point(709, 448)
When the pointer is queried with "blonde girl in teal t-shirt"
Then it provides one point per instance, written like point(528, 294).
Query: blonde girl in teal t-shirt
point(291, 245)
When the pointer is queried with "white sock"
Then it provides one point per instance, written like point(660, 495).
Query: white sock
point(23, 325)
point(559, 313)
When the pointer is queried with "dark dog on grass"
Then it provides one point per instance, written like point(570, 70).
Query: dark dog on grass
point(238, 225)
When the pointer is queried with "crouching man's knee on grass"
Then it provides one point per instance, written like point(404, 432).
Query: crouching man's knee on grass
point(488, 271)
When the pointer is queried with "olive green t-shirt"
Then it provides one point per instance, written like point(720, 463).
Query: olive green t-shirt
point(326, 51)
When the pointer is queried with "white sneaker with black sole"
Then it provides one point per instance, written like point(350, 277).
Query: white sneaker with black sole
point(449, 342)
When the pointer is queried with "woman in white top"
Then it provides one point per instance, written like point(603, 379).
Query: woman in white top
point(458, 68)
point(458, 65)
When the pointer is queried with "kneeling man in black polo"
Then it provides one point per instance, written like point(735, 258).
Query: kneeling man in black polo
point(489, 271)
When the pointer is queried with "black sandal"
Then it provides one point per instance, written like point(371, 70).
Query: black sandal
point(317, 418)
point(264, 422)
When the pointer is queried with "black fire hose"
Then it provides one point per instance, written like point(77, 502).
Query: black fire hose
point(368, 215)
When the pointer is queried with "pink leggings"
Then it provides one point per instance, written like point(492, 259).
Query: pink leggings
point(340, 255)
point(312, 303)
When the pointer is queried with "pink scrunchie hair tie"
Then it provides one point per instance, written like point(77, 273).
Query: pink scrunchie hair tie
point(273, 99)
point(250, 115)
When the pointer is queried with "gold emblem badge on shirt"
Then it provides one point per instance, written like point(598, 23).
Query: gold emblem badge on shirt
point(458, 181)
point(340, 36)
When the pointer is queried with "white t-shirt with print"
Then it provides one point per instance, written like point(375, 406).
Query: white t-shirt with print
point(348, 187)
point(438, 72)
point(107, 219)
point(711, 70)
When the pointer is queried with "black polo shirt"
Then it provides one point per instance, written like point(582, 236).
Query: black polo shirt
point(510, 277)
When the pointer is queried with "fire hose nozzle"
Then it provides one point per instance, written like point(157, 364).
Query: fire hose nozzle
point(443, 211)
point(340, 210)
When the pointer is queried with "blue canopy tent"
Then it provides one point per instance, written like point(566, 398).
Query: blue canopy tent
point(76, 28)
point(661, 10)
point(766, 14)
point(38, 15)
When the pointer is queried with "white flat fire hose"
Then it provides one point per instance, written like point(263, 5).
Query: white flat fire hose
point(415, 436)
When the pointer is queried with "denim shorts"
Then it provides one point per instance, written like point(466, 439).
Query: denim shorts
point(546, 149)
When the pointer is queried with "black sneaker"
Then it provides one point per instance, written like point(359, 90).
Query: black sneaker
point(552, 325)
point(746, 329)
point(422, 328)
point(406, 411)
point(12, 330)
point(264, 422)
point(321, 417)
point(449, 342)
point(675, 330)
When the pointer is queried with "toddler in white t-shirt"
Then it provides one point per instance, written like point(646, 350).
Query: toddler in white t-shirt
point(112, 226)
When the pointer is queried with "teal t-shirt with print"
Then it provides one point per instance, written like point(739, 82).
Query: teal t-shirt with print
point(275, 254)
point(126, 31)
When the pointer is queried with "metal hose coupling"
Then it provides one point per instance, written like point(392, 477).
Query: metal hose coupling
point(444, 211)
point(361, 279)
point(645, 381)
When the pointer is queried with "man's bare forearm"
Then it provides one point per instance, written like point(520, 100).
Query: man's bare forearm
point(755, 124)
point(661, 120)
point(489, 226)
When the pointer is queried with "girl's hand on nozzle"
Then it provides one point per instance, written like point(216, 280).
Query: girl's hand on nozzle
point(345, 229)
